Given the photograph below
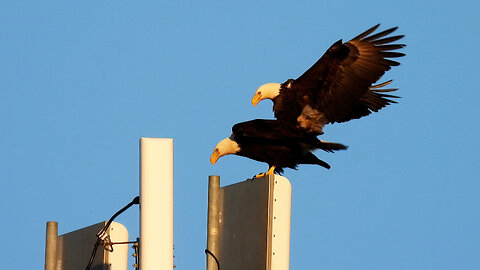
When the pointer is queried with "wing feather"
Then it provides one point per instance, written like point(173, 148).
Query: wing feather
point(387, 40)
point(366, 33)
point(391, 63)
point(391, 47)
point(381, 34)
point(392, 54)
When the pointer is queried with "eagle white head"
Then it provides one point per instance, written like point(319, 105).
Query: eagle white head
point(266, 91)
point(226, 146)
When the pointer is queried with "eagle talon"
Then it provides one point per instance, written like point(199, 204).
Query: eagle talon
point(259, 175)
point(269, 172)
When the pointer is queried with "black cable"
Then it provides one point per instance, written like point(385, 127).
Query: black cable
point(136, 200)
point(211, 254)
point(92, 257)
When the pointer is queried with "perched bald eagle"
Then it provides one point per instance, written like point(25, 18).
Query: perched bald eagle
point(273, 142)
point(339, 86)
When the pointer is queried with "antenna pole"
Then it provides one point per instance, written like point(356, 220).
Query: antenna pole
point(214, 208)
point(156, 204)
point(51, 246)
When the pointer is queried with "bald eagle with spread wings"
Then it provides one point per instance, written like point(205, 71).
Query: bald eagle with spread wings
point(340, 86)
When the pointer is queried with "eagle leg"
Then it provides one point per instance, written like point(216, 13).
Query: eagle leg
point(269, 172)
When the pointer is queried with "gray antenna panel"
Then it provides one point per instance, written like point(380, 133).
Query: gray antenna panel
point(73, 249)
point(249, 224)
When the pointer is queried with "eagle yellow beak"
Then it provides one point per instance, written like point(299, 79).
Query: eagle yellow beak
point(256, 98)
point(215, 155)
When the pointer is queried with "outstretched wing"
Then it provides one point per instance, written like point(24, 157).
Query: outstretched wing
point(343, 76)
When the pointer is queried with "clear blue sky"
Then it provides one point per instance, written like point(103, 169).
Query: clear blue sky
point(83, 81)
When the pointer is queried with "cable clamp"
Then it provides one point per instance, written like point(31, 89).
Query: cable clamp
point(107, 243)
point(102, 234)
